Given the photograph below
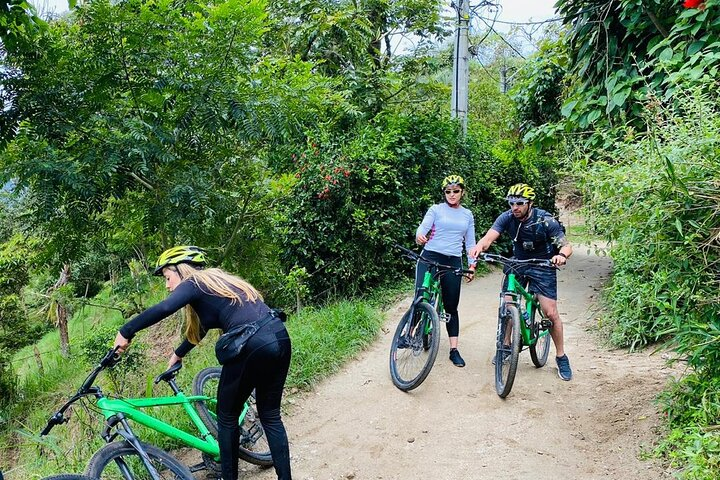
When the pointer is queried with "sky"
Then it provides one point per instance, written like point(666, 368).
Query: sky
point(526, 10)
point(512, 10)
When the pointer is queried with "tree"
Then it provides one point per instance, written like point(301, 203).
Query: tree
point(621, 55)
point(142, 124)
point(355, 41)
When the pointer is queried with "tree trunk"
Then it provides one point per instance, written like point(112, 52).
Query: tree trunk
point(61, 312)
point(38, 359)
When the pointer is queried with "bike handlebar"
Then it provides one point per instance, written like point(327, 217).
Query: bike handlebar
point(111, 358)
point(511, 262)
point(168, 374)
point(415, 256)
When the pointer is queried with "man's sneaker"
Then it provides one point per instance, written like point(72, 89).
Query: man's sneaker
point(505, 354)
point(563, 367)
point(456, 358)
point(403, 342)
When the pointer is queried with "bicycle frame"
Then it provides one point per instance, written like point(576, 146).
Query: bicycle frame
point(120, 410)
point(430, 291)
point(129, 408)
point(515, 290)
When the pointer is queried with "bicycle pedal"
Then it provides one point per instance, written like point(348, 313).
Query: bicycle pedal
point(445, 317)
point(546, 324)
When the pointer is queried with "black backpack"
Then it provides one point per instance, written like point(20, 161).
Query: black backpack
point(541, 228)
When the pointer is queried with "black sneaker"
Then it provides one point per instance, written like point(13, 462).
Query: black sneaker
point(563, 367)
point(505, 354)
point(456, 358)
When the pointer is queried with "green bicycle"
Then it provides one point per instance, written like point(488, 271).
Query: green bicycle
point(129, 458)
point(533, 331)
point(416, 341)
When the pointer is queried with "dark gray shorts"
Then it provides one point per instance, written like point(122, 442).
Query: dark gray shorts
point(543, 280)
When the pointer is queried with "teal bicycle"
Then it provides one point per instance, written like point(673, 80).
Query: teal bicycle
point(521, 323)
point(416, 341)
point(126, 457)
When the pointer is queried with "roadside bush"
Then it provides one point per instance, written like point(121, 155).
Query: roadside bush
point(658, 204)
point(355, 196)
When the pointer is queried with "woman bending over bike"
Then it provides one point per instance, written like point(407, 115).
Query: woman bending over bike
point(442, 233)
point(214, 298)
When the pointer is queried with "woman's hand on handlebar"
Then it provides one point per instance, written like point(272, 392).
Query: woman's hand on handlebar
point(470, 276)
point(121, 343)
point(173, 360)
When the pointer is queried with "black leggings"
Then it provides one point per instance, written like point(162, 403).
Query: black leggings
point(449, 283)
point(262, 366)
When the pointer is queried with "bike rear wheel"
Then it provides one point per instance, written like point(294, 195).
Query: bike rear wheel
point(254, 447)
point(414, 346)
point(120, 461)
point(540, 350)
point(507, 355)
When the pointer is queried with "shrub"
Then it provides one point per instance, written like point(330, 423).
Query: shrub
point(355, 196)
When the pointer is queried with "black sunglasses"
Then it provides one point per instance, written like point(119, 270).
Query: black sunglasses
point(518, 203)
point(448, 192)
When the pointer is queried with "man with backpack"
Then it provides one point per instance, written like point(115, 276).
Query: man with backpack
point(535, 234)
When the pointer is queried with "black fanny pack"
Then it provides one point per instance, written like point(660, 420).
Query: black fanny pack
point(231, 343)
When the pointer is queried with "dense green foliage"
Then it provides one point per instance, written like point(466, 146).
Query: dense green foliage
point(658, 203)
point(637, 121)
point(356, 196)
point(613, 58)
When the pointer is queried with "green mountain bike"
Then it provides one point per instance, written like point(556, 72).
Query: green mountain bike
point(416, 341)
point(126, 457)
point(521, 323)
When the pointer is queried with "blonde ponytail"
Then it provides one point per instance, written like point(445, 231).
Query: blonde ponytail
point(213, 281)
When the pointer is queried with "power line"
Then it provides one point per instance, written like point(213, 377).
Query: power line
point(503, 39)
point(549, 20)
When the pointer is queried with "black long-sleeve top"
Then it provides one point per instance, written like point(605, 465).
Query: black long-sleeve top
point(213, 311)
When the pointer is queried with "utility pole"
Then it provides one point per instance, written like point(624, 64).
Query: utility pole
point(461, 61)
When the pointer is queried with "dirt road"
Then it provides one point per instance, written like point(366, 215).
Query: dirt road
point(357, 425)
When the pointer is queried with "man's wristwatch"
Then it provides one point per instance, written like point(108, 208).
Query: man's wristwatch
point(563, 255)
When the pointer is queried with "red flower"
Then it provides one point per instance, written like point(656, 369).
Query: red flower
point(693, 3)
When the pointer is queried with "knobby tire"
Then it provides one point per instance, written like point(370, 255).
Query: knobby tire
point(104, 464)
point(505, 370)
point(410, 366)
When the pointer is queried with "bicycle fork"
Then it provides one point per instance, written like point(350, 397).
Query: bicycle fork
point(126, 432)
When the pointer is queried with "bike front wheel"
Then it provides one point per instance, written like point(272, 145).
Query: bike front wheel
point(414, 346)
point(254, 447)
point(507, 350)
point(120, 461)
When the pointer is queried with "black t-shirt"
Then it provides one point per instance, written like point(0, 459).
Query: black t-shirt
point(213, 312)
point(532, 238)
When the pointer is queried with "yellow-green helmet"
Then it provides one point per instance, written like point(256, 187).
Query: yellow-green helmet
point(183, 254)
point(521, 190)
point(453, 180)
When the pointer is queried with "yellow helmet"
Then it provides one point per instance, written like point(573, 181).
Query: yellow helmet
point(182, 254)
point(521, 190)
point(453, 180)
